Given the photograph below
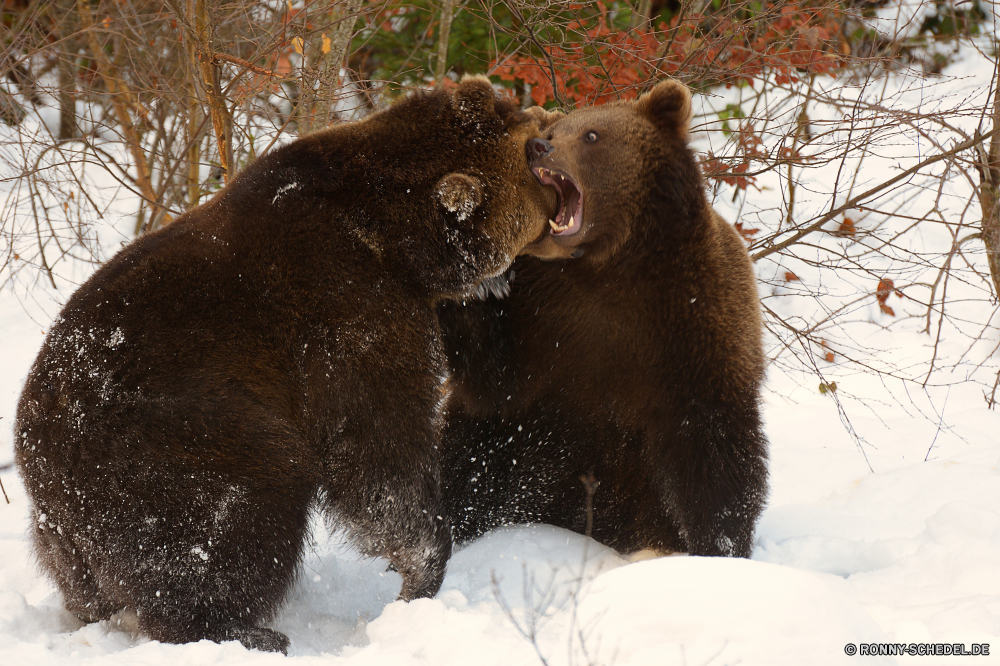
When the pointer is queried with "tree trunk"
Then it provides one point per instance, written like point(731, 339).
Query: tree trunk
point(67, 103)
point(316, 105)
point(641, 14)
point(447, 14)
point(989, 195)
point(221, 120)
point(122, 100)
point(193, 133)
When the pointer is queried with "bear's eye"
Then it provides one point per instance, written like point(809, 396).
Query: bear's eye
point(590, 137)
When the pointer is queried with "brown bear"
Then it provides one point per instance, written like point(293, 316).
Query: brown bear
point(275, 346)
point(633, 353)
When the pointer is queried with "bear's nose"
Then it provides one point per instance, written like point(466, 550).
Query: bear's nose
point(538, 148)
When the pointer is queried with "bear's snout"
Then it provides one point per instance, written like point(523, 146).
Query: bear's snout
point(538, 148)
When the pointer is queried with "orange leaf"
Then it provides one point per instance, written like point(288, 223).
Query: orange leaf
point(791, 277)
point(886, 309)
point(846, 227)
point(829, 357)
point(747, 234)
point(885, 288)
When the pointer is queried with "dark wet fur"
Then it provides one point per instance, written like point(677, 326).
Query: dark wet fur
point(275, 347)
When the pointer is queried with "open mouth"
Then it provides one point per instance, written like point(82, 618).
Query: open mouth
point(569, 215)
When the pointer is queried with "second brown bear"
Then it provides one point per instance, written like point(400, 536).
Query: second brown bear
point(632, 354)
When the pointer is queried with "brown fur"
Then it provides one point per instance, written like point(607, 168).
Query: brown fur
point(640, 361)
point(276, 345)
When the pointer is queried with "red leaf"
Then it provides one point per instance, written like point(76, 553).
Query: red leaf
point(747, 234)
point(885, 288)
point(791, 277)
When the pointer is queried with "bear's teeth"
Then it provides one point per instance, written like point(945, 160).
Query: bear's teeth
point(560, 227)
point(572, 221)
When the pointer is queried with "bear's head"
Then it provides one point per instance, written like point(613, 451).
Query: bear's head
point(469, 143)
point(519, 205)
point(613, 166)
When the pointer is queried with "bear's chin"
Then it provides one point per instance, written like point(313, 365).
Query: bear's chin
point(554, 246)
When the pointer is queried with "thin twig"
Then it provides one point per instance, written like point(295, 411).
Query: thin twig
point(853, 202)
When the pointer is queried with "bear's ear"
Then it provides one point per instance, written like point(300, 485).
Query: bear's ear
point(460, 193)
point(543, 117)
point(668, 105)
point(474, 96)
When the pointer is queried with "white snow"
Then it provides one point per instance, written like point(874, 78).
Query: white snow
point(900, 19)
point(883, 525)
point(290, 187)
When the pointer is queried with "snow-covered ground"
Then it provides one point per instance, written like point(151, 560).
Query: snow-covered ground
point(883, 524)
